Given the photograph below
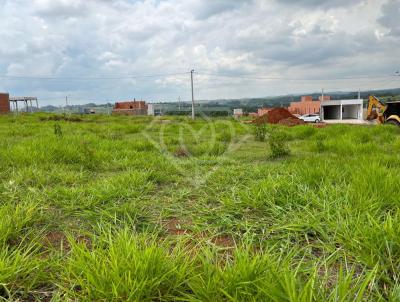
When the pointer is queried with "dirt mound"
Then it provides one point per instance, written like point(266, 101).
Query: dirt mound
point(291, 121)
point(278, 116)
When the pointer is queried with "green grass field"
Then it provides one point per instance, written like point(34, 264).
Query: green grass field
point(167, 209)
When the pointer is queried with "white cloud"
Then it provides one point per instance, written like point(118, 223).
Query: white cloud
point(95, 38)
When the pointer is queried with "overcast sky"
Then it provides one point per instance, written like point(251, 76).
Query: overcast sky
point(108, 50)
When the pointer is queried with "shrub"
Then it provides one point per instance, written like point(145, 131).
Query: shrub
point(259, 132)
point(57, 130)
point(278, 145)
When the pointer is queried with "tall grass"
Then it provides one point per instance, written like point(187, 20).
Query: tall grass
point(108, 211)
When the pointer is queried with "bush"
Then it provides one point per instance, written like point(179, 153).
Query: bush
point(57, 130)
point(278, 145)
point(259, 132)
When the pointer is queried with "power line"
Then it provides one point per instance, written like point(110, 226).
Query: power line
point(256, 77)
point(191, 82)
point(92, 78)
point(239, 76)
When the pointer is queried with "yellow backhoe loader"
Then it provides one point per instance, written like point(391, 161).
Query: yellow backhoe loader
point(384, 113)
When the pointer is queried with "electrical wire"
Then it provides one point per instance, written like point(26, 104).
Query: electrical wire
point(251, 77)
point(124, 77)
point(239, 76)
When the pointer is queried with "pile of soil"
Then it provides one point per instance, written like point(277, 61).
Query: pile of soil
point(291, 121)
point(278, 116)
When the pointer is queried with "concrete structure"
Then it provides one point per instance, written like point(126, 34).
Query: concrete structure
point(150, 109)
point(342, 111)
point(238, 112)
point(27, 102)
point(89, 110)
point(130, 108)
point(4, 103)
point(262, 111)
point(307, 105)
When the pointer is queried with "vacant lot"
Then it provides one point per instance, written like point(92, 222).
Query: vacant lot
point(137, 209)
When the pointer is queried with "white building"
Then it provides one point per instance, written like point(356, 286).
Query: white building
point(238, 112)
point(342, 111)
point(150, 109)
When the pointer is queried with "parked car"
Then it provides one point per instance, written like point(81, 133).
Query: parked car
point(310, 118)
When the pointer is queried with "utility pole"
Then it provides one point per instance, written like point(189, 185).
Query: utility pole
point(66, 103)
point(179, 103)
point(359, 93)
point(322, 96)
point(191, 79)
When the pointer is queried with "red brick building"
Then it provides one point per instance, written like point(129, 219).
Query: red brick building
point(307, 105)
point(4, 103)
point(130, 108)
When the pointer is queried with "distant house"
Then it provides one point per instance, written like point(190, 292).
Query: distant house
point(307, 105)
point(150, 109)
point(89, 110)
point(130, 108)
point(342, 111)
point(238, 112)
point(262, 111)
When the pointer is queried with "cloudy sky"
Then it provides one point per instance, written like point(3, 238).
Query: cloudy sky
point(108, 50)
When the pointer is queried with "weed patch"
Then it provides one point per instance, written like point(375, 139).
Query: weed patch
point(277, 142)
point(128, 208)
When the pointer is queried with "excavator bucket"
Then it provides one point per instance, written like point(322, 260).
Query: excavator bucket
point(372, 116)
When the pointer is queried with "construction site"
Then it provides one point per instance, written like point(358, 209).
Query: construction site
point(131, 188)
point(199, 151)
point(17, 104)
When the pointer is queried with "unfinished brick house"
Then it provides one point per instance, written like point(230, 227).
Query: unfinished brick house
point(307, 105)
point(262, 111)
point(130, 108)
point(4, 103)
